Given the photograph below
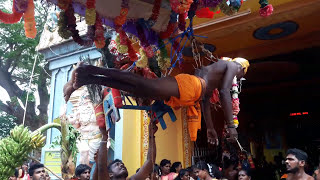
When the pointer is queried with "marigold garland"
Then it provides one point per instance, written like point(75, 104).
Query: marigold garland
point(91, 12)
point(99, 33)
point(10, 18)
point(121, 48)
point(121, 19)
point(29, 21)
point(143, 60)
point(164, 62)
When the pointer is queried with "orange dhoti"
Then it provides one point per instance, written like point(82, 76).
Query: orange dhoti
point(190, 90)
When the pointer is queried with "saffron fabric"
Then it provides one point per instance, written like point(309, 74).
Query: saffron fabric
point(190, 90)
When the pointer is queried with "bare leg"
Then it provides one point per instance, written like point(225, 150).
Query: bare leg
point(162, 88)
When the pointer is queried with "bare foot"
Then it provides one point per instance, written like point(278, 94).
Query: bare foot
point(74, 83)
point(212, 137)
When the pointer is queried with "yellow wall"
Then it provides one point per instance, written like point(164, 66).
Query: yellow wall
point(131, 147)
point(170, 143)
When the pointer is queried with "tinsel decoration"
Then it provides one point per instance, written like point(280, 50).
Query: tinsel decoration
point(10, 18)
point(143, 60)
point(91, 12)
point(99, 39)
point(266, 9)
point(21, 5)
point(226, 9)
point(164, 62)
point(63, 26)
point(29, 21)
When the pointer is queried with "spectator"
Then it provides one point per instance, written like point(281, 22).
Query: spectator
point(116, 170)
point(295, 163)
point(165, 170)
point(202, 171)
point(47, 176)
point(176, 167)
point(83, 172)
point(244, 175)
point(37, 172)
point(183, 175)
point(16, 173)
point(155, 175)
point(191, 173)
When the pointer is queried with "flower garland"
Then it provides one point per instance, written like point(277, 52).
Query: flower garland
point(171, 25)
point(143, 41)
point(143, 61)
point(155, 14)
point(29, 21)
point(11, 18)
point(266, 9)
point(91, 12)
point(99, 39)
point(121, 19)
point(235, 101)
point(180, 7)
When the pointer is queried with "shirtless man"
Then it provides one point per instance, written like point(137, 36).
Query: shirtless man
point(295, 162)
point(116, 170)
point(181, 90)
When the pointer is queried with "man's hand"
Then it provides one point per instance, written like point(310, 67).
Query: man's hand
point(212, 137)
point(233, 134)
point(104, 133)
point(153, 128)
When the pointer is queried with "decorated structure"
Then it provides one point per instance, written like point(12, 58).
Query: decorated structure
point(159, 30)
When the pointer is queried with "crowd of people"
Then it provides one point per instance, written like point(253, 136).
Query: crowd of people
point(295, 162)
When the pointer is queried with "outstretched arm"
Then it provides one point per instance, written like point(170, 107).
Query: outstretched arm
point(147, 167)
point(211, 133)
point(101, 170)
point(225, 99)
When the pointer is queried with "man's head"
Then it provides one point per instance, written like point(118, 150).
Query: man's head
point(296, 160)
point(117, 170)
point(243, 62)
point(83, 172)
point(37, 172)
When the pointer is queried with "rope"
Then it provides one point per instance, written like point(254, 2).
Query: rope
point(31, 77)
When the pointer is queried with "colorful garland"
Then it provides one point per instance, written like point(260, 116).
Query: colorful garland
point(164, 62)
point(155, 13)
point(180, 7)
point(91, 12)
point(143, 60)
point(64, 4)
point(99, 39)
point(235, 101)
point(11, 18)
point(121, 19)
point(63, 26)
point(171, 25)
point(266, 9)
point(29, 21)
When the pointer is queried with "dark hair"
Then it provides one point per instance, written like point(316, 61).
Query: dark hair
point(202, 166)
point(247, 171)
point(16, 173)
point(300, 155)
point(81, 168)
point(33, 167)
point(164, 162)
point(182, 172)
point(137, 170)
point(156, 169)
point(113, 162)
point(174, 166)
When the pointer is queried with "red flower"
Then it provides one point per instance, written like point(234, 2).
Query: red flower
point(266, 11)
